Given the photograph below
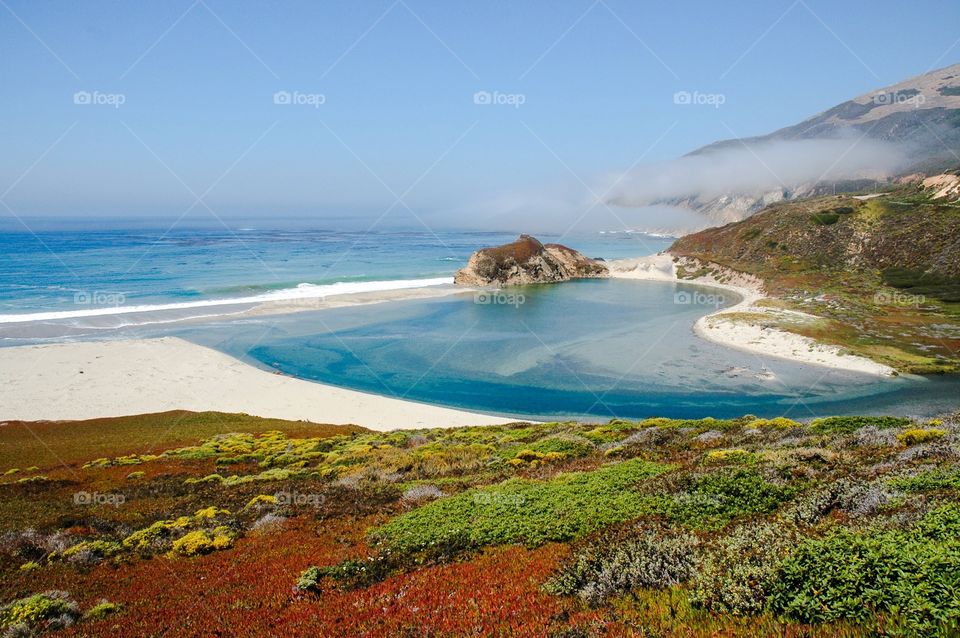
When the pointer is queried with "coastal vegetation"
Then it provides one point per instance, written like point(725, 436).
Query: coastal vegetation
point(878, 276)
point(835, 526)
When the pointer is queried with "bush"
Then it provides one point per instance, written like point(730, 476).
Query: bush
point(932, 480)
point(872, 436)
point(527, 511)
point(913, 576)
point(193, 543)
point(419, 493)
point(49, 610)
point(567, 445)
point(779, 423)
point(717, 498)
point(261, 500)
point(915, 436)
point(849, 424)
point(611, 565)
point(734, 456)
point(91, 551)
point(101, 610)
point(825, 218)
point(738, 570)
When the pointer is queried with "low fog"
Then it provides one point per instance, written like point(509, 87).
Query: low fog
point(640, 198)
point(756, 167)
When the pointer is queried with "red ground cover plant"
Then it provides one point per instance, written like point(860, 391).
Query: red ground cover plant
point(248, 592)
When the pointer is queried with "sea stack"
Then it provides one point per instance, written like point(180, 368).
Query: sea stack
point(527, 261)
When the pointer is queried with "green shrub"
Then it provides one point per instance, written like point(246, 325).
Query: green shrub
point(527, 511)
point(91, 551)
point(564, 444)
point(101, 610)
point(49, 610)
point(848, 424)
point(825, 218)
point(350, 574)
point(719, 497)
point(777, 423)
point(929, 481)
point(739, 568)
point(913, 576)
point(613, 565)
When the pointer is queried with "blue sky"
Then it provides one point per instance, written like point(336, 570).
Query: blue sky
point(596, 79)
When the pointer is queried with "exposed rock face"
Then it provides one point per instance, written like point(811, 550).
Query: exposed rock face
point(527, 261)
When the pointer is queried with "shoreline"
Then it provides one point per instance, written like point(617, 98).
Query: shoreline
point(90, 379)
point(747, 336)
point(93, 379)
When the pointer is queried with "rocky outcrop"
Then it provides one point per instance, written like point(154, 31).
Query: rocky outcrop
point(527, 261)
point(946, 185)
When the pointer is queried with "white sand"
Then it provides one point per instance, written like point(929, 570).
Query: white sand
point(114, 378)
point(751, 336)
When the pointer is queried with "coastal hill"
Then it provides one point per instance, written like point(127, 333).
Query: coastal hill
point(880, 271)
point(921, 116)
point(527, 261)
point(232, 525)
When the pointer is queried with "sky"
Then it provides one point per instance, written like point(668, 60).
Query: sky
point(410, 110)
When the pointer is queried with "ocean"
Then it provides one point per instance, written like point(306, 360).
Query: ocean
point(585, 349)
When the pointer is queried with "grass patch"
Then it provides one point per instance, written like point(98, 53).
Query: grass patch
point(848, 424)
point(717, 498)
point(527, 511)
point(825, 218)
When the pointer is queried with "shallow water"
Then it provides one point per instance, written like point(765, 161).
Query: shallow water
point(601, 348)
point(608, 348)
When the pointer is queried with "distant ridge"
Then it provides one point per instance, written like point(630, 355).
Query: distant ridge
point(921, 114)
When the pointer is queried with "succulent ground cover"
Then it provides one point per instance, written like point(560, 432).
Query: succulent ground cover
point(239, 526)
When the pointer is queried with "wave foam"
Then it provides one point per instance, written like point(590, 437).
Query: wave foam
point(301, 291)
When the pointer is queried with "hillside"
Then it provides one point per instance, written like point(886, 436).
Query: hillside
point(921, 116)
point(880, 271)
point(845, 526)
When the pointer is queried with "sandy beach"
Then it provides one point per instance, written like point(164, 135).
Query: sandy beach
point(749, 336)
point(83, 380)
point(88, 379)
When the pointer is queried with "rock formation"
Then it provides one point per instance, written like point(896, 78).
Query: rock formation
point(527, 261)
